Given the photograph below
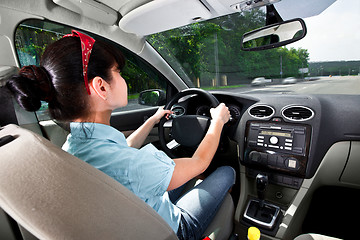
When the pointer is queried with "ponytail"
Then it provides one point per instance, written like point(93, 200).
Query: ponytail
point(31, 86)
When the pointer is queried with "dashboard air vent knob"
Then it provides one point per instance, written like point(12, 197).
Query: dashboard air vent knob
point(297, 113)
point(261, 111)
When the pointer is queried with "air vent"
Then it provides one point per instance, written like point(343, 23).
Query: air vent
point(297, 113)
point(261, 111)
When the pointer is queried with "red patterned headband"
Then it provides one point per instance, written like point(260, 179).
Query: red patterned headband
point(87, 44)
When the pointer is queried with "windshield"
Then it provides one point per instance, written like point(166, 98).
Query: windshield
point(208, 54)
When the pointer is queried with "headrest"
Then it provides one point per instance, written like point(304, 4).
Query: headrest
point(6, 72)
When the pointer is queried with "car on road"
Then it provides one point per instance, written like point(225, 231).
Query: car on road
point(260, 81)
point(295, 147)
point(289, 80)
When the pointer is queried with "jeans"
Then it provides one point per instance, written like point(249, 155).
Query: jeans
point(200, 204)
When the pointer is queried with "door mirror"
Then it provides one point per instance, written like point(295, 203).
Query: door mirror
point(274, 35)
point(154, 97)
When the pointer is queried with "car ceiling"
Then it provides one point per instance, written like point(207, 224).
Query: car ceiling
point(143, 17)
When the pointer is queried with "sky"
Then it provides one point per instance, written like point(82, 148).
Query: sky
point(334, 35)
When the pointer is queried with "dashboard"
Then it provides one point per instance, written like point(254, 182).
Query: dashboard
point(285, 136)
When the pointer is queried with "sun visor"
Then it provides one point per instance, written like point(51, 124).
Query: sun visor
point(91, 9)
point(289, 9)
point(161, 15)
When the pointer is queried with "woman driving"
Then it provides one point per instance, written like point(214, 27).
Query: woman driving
point(81, 80)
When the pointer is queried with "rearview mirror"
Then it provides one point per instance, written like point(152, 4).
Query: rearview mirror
point(154, 97)
point(275, 35)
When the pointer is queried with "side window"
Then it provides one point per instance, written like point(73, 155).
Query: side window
point(33, 36)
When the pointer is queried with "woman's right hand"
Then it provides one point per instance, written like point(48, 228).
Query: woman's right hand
point(221, 113)
point(188, 168)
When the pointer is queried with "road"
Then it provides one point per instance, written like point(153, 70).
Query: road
point(323, 85)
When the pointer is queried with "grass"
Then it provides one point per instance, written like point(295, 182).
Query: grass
point(136, 95)
point(133, 96)
point(223, 87)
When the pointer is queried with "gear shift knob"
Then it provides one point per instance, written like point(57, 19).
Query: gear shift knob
point(261, 183)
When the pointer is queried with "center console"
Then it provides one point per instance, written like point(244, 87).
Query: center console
point(274, 152)
point(279, 147)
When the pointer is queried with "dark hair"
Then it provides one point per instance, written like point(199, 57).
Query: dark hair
point(59, 79)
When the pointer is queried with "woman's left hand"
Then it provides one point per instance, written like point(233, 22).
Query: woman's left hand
point(160, 113)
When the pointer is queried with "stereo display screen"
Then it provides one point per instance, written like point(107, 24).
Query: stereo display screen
point(273, 133)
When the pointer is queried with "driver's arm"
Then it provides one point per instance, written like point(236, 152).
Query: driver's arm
point(188, 168)
point(137, 138)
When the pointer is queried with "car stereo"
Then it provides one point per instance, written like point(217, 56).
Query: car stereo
point(277, 146)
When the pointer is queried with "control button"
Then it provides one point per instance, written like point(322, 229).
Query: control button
point(275, 127)
point(299, 131)
point(280, 161)
point(287, 180)
point(274, 140)
point(260, 144)
point(276, 120)
point(252, 143)
point(298, 150)
point(288, 140)
point(260, 137)
point(288, 148)
point(264, 157)
point(273, 146)
point(288, 144)
point(255, 156)
point(297, 182)
point(272, 158)
point(278, 178)
point(292, 163)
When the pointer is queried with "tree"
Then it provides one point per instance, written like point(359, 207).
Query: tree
point(208, 49)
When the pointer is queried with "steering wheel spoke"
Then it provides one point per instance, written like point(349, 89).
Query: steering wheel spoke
point(187, 131)
point(173, 144)
point(168, 124)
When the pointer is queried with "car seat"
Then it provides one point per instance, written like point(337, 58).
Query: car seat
point(7, 113)
point(312, 236)
point(55, 195)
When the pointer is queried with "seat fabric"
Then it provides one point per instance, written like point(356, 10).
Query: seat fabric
point(55, 195)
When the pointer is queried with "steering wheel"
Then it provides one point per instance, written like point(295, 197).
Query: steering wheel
point(186, 130)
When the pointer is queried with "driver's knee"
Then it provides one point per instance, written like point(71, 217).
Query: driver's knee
point(226, 174)
point(219, 181)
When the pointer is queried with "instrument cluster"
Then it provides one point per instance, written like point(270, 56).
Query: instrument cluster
point(235, 111)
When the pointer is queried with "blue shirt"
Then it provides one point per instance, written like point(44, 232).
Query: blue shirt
point(146, 172)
